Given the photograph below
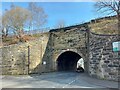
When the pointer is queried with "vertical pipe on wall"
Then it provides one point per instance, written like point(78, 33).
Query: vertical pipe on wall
point(28, 59)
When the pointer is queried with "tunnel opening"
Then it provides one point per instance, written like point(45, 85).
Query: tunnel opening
point(67, 61)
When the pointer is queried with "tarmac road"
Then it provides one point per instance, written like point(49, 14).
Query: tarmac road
point(56, 80)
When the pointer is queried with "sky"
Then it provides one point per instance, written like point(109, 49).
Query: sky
point(71, 13)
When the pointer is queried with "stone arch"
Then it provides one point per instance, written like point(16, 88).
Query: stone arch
point(72, 50)
point(69, 55)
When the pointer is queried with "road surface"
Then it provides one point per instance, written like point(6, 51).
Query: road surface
point(56, 80)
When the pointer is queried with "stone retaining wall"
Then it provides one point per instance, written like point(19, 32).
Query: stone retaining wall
point(21, 59)
point(103, 62)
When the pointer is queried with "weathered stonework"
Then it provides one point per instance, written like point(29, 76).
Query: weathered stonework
point(15, 57)
point(103, 62)
point(100, 62)
point(72, 39)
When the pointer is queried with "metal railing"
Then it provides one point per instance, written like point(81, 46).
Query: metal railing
point(30, 32)
point(37, 31)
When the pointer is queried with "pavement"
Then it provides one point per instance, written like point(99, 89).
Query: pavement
point(56, 80)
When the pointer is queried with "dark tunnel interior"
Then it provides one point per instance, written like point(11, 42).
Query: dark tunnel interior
point(67, 61)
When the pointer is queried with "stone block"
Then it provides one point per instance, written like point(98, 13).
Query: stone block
point(106, 61)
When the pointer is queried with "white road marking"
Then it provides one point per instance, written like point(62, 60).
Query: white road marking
point(69, 83)
point(56, 80)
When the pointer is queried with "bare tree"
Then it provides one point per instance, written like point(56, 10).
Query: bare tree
point(1, 28)
point(15, 19)
point(38, 16)
point(109, 7)
point(4, 32)
point(4, 28)
point(60, 24)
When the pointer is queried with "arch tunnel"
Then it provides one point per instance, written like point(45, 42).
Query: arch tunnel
point(67, 61)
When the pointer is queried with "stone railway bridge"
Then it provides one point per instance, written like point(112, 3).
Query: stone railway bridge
point(60, 49)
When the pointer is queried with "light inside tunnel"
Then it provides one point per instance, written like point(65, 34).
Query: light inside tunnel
point(80, 63)
point(67, 61)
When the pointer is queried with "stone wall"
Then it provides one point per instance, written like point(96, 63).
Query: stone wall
point(72, 39)
point(103, 62)
point(21, 59)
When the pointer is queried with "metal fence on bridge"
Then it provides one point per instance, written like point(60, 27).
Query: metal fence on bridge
point(37, 31)
point(30, 32)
